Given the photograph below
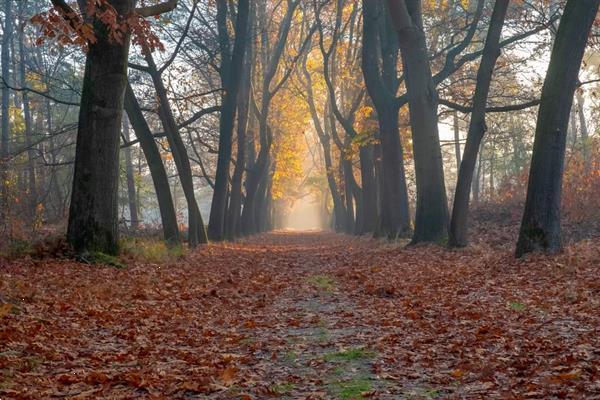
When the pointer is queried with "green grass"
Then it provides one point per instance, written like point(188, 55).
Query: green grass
point(99, 258)
point(283, 389)
point(352, 354)
point(517, 306)
point(151, 251)
point(352, 389)
point(323, 282)
point(15, 249)
point(291, 356)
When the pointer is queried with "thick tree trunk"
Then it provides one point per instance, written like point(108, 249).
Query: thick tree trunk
point(348, 177)
point(231, 70)
point(540, 228)
point(394, 218)
point(158, 173)
point(369, 190)
point(131, 195)
point(477, 127)
point(431, 220)
point(93, 216)
point(196, 230)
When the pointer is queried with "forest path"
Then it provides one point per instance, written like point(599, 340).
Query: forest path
point(308, 315)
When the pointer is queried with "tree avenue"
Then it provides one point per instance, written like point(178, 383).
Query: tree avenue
point(245, 111)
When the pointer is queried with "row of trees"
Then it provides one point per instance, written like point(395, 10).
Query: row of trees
point(368, 77)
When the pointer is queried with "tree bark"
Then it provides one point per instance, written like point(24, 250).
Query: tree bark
point(131, 196)
point(585, 144)
point(458, 234)
point(431, 220)
point(93, 216)
point(235, 201)
point(196, 230)
point(381, 85)
point(158, 173)
point(231, 69)
point(5, 124)
point(540, 227)
point(31, 181)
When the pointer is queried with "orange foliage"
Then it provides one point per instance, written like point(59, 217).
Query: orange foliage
point(69, 28)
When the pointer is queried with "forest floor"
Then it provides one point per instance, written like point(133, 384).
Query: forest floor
point(306, 316)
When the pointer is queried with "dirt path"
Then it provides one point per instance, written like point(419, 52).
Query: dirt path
point(305, 316)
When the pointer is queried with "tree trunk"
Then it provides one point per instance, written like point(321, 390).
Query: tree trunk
point(369, 190)
point(231, 70)
point(431, 221)
point(5, 125)
point(458, 235)
point(131, 196)
point(31, 181)
point(540, 228)
point(394, 216)
point(158, 173)
point(585, 141)
point(196, 230)
point(93, 216)
point(457, 149)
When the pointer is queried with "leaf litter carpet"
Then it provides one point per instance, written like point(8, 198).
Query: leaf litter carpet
point(306, 316)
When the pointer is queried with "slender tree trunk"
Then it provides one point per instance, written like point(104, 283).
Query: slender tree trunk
point(5, 125)
point(540, 228)
point(131, 196)
point(587, 159)
point(196, 230)
point(158, 173)
point(235, 202)
point(457, 149)
point(93, 216)
point(231, 70)
point(477, 128)
point(157, 170)
point(31, 182)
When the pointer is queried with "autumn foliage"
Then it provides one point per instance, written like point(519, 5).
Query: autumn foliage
point(311, 316)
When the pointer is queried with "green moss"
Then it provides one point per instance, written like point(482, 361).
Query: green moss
point(323, 282)
point(100, 258)
point(356, 353)
point(517, 306)
point(352, 389)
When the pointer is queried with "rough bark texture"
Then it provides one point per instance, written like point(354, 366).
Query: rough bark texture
point(431, 219)
point(93, 216)
point(540, 227)
point(394, 218)
point(491, 51)
point(158, 173)
point(231, 70)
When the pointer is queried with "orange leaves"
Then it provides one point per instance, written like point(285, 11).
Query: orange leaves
point(70, 28)
point(401, 316)
point(5, 309)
